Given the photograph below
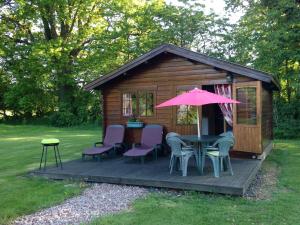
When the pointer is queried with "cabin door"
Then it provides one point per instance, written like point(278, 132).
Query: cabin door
point(247, 116)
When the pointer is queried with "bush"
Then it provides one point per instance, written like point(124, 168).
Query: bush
point(287, 129)
point(287, 119)
point(85, 109)
point(63, 118)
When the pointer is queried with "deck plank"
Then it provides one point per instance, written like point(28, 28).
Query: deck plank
point(156, 174)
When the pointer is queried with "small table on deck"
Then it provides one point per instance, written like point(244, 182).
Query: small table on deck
point(201, 141)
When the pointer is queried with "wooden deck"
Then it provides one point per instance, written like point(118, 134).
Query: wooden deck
point(156, 174)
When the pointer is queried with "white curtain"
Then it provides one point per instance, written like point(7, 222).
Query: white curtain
point(226, 108)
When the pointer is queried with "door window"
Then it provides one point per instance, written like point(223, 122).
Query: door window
point(246, 110)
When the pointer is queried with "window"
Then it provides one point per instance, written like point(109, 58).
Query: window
point(186, 114)
point(139, 103)
point(146, 104)
point(246, 110)
point(129, 104)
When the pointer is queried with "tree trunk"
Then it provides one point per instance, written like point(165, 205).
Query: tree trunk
point(66, 89)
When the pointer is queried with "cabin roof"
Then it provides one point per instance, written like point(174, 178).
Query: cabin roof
point(191, 55)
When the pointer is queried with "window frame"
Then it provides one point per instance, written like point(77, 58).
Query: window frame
point(122, 102)
point(138, 91)
point(256, 106)
point(258, 86)
point(138, 104)
point(185, 88)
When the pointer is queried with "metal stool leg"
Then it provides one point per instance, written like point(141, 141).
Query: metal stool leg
point(45, 163)
point(59, 156)
point(42, 158)
point(55, 156)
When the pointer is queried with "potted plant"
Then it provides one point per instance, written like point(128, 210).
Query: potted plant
point(133, 122)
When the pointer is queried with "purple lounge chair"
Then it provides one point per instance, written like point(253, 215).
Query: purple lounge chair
point(113, 140)
point(150, 142)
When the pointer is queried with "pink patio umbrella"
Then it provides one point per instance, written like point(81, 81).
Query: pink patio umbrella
point(196, 97)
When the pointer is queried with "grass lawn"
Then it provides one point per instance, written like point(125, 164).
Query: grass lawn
point(20, 151)
point(195, 208)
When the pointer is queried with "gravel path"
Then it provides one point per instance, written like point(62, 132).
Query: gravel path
point(98, 200)
point(101, 199)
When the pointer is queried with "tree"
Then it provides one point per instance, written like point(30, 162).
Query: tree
point(48, 49)
point(41, 41)
point(4, 85)
point(267, 38)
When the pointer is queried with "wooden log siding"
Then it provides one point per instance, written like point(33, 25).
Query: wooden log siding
point(267, 117)
point(166, 74)
point(191, 56)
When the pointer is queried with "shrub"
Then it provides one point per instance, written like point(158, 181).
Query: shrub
point(287, 119)
point(85, 109)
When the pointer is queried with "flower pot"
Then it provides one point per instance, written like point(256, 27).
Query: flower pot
point(135, 124)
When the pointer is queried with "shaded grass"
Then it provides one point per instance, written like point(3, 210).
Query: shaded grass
point(20, 151)
point(196, 208)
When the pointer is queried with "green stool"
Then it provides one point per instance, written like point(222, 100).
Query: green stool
point(46, 143)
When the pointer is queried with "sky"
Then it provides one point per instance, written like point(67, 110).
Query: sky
point(217, 6)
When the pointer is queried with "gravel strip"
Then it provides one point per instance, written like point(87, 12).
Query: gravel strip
point(263, 184)
point(98, 200)
point(102, 199)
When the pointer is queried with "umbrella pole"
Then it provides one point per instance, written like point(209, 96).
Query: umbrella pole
point(198, 122)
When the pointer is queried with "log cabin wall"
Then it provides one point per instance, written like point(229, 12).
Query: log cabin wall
point(164, 75)
point(267, 117)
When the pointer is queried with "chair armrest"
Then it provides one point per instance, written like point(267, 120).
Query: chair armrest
point(211, 148)
point(136, 144)
point(185, 145)
point(99, 142)
point(158, 146)
point(187, 148)
point(119, 145)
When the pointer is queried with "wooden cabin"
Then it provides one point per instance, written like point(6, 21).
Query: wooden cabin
point(135, 89)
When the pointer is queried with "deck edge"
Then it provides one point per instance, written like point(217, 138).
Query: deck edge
point(146, 183)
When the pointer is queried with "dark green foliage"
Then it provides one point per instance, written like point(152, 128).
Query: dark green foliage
point(267, 38)
point(287, 119)
point(48, 49)
point(288, 129)
point(86, 109)
point(4, 86)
